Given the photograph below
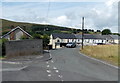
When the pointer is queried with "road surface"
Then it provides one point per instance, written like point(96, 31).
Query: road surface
point(67, 64)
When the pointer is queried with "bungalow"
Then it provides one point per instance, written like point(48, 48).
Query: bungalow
point(56, 39)
point(115, 39)
point(16, 34)
point(91, 39)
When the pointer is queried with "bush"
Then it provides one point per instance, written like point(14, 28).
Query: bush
point(24, 37)
point(45, 38)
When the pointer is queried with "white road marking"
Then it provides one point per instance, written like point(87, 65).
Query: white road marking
point(50, 56)
point(47, 62)
point(57, 71)
point(48, 71)
point(11, 62)
point(52, 61)
point(39, 57)
point(60, 76)
point(49, 75)
point(48, 65)
point(13, 69)
point(54, 68)
point(99, 61)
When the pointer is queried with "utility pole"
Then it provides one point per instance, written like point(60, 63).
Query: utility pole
point(82, 32)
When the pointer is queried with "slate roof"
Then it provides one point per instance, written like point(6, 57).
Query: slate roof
point(115, 36)
point(86, 36)
point(16, 29)
point(63, 36)
point(108, 37)
point(78, 36)
point(90, 36)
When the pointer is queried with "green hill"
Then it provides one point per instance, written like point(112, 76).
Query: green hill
point(7, 25)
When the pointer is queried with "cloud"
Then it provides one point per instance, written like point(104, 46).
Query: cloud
point(53, 0)
point(97, 15)
point(61, 20)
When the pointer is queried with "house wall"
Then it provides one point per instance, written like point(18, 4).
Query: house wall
point(116, 41)
point(24, 47)
point(18, 34)
point(7, 37)
point(51, 40)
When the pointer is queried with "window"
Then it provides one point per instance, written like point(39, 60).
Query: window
point(58, 40)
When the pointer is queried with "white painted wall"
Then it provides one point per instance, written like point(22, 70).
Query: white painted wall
point(18, 34)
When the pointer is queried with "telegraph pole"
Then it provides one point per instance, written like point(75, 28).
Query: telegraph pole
point(82, 32)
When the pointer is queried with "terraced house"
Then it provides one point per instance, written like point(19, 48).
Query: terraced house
point(58, 40)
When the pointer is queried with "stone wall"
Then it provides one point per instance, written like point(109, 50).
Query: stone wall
point(24, 47)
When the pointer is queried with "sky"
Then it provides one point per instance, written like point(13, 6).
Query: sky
point(99, 14)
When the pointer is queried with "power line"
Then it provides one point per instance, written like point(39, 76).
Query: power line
point(48, 9)
point(47, 15)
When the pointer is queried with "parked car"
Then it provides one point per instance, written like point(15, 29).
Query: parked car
point(100, 44)
point(71, 45)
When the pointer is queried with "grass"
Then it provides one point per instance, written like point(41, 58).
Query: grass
point(1, 41)
point(108, 53)
point(1, 57)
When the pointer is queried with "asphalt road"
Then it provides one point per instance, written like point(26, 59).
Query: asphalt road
point(67, 65)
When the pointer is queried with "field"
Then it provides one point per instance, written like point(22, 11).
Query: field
point(108, 53)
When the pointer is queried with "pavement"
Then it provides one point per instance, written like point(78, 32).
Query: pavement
point(21, 62)
point(66, 64)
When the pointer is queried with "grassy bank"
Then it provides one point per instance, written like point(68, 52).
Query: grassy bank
point(107, 53)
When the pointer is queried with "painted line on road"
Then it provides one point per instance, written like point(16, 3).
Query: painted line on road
point(47, 62)
point(52, 61)
point(56, 71)
point(14, 69)
point(99, 60)
point(54, 68)
point(48, 65)
point(48, 71)
point(49, 75)
point(9, 62)
point(60, 76)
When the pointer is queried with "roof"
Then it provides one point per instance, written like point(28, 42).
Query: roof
point(16, 29)
point(86, 36)
point(78, 36)
point(108, 37)
point(115, 36)
point(90, 36)
point(63, 36)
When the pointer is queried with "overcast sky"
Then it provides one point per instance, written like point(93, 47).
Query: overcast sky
point(99, 14)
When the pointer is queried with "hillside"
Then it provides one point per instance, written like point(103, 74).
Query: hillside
point(34, 28)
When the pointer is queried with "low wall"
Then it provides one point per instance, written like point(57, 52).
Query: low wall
point(24, 47)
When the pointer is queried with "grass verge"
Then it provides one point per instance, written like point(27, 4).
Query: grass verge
point(108, 53)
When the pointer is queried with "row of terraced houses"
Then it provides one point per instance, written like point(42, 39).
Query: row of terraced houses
point(56, 39)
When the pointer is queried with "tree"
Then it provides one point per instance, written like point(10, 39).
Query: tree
point(37, 36)
point(98, 31)
point(45, 40)
point(106, 32)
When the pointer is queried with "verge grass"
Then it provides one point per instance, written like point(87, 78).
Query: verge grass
point(108, 53)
